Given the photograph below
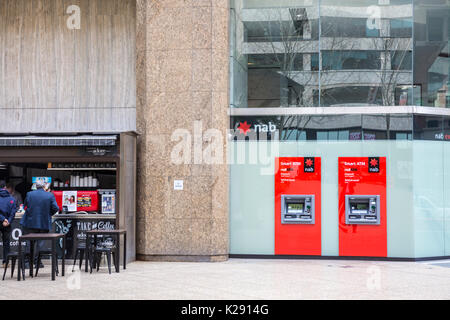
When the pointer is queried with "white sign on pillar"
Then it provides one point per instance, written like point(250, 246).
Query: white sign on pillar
point(178, 185)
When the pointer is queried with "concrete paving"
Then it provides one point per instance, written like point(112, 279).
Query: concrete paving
point(243, 279)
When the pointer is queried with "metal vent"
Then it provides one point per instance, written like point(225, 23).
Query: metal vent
point(35, 141)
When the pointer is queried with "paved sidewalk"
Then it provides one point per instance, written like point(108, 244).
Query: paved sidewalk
point(243, 279)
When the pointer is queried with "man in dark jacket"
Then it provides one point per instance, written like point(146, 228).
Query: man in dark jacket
point(7, 214)
point(39, 206)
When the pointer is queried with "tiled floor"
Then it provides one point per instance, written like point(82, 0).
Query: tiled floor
point(244, 279)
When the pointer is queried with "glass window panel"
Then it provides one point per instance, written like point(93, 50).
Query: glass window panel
point(367, 56)
point(431, 52)
point(333, 135)
point(322, 135)
point(344, 135)
point(280, 53)
point(428, 128)
point(350, 60)
point(366, 52)
point(351, 96)
point(447, 128)
point(401, 28)
point(401, 60)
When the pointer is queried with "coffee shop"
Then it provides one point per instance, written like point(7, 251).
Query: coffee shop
point(91, 176)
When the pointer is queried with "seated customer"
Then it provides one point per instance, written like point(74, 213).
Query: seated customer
point(40, 206)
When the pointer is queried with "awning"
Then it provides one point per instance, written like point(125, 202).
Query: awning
point(58, 141)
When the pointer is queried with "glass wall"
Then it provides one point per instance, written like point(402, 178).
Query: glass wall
point(309, 53)
point(334, 53)
point(431, 52)
point(252, 195)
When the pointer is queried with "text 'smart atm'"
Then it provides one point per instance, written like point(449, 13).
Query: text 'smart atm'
point(362, 206)
point(297, 206)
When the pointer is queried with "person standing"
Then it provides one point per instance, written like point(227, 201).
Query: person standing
point(17, 196)
point(7, 214)
point(40, 206)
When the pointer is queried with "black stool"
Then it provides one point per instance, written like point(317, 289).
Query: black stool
point(80, 250)
point(96, 252)
point(13, 257)
point(44, 253)
point(96, 257)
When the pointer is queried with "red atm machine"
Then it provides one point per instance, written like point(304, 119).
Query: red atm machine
point(362, 207)
point(297, 206)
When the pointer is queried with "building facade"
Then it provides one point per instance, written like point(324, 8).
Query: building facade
point(220, 91)
point(341, 80)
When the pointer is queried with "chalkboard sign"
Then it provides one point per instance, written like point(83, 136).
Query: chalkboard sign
point(14, 241)
point(75, 230)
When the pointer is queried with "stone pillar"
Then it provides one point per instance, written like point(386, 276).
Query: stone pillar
point(182, 83)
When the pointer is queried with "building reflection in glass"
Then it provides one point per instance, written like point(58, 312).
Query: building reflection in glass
point(340, 53)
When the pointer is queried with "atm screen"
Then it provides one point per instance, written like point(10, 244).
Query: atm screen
point(361, 206)
point(295, 207)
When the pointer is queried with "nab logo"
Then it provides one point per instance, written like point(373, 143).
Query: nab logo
point(244, 127)
point(374, 164)
point(309, 165)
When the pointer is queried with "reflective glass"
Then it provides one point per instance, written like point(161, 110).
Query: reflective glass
point(431, 52)
point(331, 128)
point(275, 53)
point(310, 53)
point(428, 128)
point(366, 49)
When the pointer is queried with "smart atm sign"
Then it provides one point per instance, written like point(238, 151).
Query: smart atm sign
point(362, 176)
point(298, 176)
point(290, 168)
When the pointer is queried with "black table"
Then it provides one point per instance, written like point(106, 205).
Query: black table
point(115, 233)
point(32, 237)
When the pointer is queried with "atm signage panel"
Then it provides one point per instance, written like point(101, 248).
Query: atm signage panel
point(362, 206)
point(297, 206)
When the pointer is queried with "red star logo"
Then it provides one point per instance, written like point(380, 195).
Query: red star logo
point(373, 162)
point(309, 162)
point(244, 127)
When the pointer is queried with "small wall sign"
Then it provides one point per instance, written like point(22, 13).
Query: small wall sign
point(178, 185)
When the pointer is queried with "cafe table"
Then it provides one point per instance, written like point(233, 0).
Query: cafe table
point(32, 237)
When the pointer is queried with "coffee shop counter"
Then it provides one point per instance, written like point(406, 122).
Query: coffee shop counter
point(75, 225)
